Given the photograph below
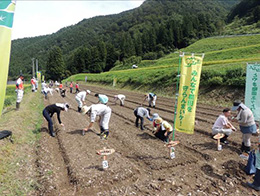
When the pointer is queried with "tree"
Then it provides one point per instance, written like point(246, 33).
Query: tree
point(55, 68)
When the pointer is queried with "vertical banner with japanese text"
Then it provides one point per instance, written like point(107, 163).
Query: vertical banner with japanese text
point(188, 92)
point(252, 94)
point(7, 8)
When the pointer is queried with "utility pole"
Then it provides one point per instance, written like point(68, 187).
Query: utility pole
point(32, 67)
point(36, 66)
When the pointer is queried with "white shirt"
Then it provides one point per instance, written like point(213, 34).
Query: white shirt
point(220, 122)
point(98, 110)
point(120, 96)
point(82, 95)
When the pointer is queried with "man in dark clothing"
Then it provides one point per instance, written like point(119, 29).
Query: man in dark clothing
point(50, 110)
point(140, 113)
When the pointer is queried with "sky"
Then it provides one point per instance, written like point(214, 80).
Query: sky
point(34, 17)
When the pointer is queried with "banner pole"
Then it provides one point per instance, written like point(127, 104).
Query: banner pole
point(176, 94)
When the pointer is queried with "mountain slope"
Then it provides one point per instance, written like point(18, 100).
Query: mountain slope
point(156, 27)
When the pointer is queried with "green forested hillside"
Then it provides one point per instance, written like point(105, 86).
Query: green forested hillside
point(156, 28)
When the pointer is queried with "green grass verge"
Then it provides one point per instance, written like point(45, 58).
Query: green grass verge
point(17, 164)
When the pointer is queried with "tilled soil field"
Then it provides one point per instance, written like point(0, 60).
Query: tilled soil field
point(141, 165)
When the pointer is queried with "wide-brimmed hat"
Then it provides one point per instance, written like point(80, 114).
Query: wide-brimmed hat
point(236, 104)
point(158, 120)
point(88, 91)
point(85, 109)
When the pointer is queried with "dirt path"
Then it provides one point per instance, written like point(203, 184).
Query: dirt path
point(141, 163)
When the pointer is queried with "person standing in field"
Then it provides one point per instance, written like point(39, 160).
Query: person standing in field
point(104, 112)
point(80, 98)
point(19, 91)
point(222, 125)
point(33, 83)
point(121, 98)
point(247, 124)
point(140, 113)
point(71, 87)
point(151, 98)
point(102, 98)
point(256, 183)
point(77, 87)
point(50, 110)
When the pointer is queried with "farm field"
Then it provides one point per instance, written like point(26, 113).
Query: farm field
point(141, 165)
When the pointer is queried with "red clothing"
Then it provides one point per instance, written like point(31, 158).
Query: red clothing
point(71, 85)
point(60, 86)
point(77, 86)
point(19, 84)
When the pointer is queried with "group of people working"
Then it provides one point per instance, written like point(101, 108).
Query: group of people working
point(245, 118)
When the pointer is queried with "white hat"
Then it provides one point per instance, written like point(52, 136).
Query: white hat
point(155, 116)
point(88, 91)
point(85, 109)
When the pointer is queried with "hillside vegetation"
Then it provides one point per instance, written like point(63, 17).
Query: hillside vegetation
point(154, 29)
point(224, 65)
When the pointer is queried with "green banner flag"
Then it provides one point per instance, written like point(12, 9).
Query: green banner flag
point(7, 8)
point(252, 94)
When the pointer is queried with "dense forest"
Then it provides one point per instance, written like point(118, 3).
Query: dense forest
point(94, 45)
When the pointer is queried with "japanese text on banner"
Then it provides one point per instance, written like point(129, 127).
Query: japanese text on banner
point(188, 92)
point(253, 89)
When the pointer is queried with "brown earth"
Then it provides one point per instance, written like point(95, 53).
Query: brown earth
point(68, 164)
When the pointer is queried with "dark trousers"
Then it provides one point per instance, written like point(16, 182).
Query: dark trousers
point(77, 90)
point(48, 118)
point(161, 136)
point(137, 120)
point(70, 90)
point(257, 178)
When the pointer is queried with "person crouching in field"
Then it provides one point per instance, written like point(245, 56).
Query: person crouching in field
point(104, 112)
point(102, 98)
point(50, 110)
point(121, 98)
point(222, 125)
point(80, 98)
point(140, 113)
point(164, 129)
point(151, 98)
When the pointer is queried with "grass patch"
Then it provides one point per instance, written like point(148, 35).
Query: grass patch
point(17, 172)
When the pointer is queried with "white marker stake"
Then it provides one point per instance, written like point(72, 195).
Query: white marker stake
point(105, 163)
point(172, 152)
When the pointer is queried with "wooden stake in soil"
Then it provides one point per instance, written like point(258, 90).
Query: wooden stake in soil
point(218, 137)
point(171, 145)
point(105, 152)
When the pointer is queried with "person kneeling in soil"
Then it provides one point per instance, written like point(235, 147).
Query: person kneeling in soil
point(101, 110)
point(121, 98)
point(140, 113)
point(50, 110)
point(222, 125)
point(164, 129)
point(256, 184)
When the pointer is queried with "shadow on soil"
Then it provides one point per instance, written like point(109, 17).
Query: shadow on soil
point(146, 136)
point(79, 132)
point(213, 146)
